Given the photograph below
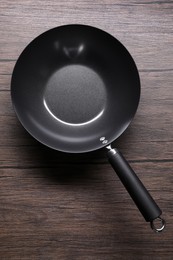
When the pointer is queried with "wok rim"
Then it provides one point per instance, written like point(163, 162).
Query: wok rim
point(112, 139)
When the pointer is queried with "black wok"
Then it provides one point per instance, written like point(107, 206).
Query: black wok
point(75, 89)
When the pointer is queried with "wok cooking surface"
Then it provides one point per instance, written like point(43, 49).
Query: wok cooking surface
point(75, 95)
point(73, 85)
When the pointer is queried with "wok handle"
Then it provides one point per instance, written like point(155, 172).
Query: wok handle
point(143, 200)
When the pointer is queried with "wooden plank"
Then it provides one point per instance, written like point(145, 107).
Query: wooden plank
point(161, 78)
point(144, 28)
point(145, 139)
point(6, 67)
point(157, 130)
point(156, 103)
point(80, 213)
point(39, 156)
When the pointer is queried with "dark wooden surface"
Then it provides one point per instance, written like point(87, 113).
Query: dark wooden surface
point(60, 206)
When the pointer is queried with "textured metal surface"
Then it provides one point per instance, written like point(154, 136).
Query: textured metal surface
point(74, 84)
point(75, 95)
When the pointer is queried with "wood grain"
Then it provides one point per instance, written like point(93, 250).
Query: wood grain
point(64, 206)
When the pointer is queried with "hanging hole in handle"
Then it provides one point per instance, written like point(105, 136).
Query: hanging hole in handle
point(158, 222)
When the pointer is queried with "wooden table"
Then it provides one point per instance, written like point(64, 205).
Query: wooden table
point(60, 206)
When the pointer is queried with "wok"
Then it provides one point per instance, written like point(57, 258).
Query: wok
point(76, 88)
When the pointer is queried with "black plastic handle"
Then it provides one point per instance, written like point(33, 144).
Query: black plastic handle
point(143, 200)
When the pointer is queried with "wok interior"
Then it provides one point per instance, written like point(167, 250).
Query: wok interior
point(73, 85)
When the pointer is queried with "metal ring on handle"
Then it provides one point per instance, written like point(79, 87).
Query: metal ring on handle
point(160, 229)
